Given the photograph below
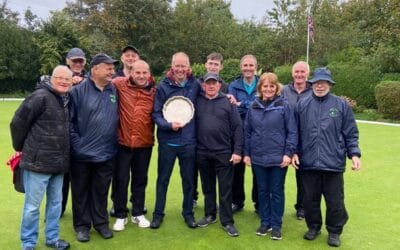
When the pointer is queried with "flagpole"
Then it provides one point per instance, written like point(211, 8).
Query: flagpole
point(308, 33)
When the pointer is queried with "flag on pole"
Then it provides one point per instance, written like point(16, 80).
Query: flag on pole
point(310, 28)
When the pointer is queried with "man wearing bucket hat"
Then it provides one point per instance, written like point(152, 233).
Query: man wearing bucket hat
point(327, 133)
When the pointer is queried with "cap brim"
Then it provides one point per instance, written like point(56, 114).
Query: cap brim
point(314, 80)
point(77, 57)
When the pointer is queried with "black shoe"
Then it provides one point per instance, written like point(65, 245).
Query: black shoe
point(207, 220)
point(144, 210)
point(156, 223)
point(236, 208)
point(112, 212)
point(106, 233)
point(276, 234)
point(59, 244)
point(231, 230)
point(83, 236)
point(190, 222)
point(311, 234)
point(333, 240)
point(300, 214)
point(263, 230)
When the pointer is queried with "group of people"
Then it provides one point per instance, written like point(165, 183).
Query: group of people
point(91, 128)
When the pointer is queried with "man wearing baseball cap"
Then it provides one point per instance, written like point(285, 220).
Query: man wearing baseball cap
point(327, 133)
point(76, 61)
point(129, 55)
point(219, 144)
point(93, 131)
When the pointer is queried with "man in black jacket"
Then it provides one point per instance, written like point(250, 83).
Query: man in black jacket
point(40, 129)
point(219, 146)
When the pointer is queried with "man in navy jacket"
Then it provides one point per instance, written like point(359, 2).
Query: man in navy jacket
point(93, 132)
point(327, 133)
point(175, 140)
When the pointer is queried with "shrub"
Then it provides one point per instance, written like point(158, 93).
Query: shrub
point(391, 77)
point(284, 73)
point(352, 103)
point(231, 70)
point(198, 69)
point(387, 95)
point(355, 81)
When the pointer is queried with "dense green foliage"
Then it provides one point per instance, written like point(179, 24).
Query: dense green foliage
point(359, 34)
point(387, 98)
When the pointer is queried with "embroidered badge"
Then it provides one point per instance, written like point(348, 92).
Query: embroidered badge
point(113, 98)
point(333, 112)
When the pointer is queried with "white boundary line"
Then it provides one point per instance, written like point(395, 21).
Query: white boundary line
point(359, 121)
point(379, 123)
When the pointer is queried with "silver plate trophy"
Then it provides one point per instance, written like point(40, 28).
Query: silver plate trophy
point(178, 109)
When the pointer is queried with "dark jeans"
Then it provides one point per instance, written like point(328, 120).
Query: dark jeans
point(90, 182)
point(131, 162)
point(271, 194)
point(238, 194)
point(300, 191)
point(65, 192)
point(331, 186)
point(166, 160)
point(214, 166)
point(195, 182)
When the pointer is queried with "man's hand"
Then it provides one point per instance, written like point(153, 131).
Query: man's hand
point(231, 99)
point(176, 126)
point(356, 163)
point(235, 159)
point(285, 161)
point(295, 161)
point(247, 160)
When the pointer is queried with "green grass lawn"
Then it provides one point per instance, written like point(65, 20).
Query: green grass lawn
point(372, 202)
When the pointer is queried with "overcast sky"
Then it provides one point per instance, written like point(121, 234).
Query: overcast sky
point(241, 9)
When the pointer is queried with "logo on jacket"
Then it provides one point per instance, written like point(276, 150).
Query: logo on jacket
point(113, 98)
point(333, 112)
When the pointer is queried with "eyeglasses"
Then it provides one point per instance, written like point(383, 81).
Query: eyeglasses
point(64, 79)
point(78, 61)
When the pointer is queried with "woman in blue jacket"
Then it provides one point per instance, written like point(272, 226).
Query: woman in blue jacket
point(270, 141)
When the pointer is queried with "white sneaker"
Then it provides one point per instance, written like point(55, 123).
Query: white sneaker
point(119, 224)
point(141, 221)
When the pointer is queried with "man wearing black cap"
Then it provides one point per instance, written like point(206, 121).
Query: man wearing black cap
point(93, 131)
point(219, 144)
point(327, 133)
point(129, 55)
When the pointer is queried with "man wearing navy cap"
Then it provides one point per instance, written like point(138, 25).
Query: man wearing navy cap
point(93, 132)
point(76, 61)
point(219, 145)
point(327, 133)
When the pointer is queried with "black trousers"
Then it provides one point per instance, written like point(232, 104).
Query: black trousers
point(300, 192)
point(329, 184)
point(216, 166)
point(65, 192)
point(131, 163)
point(90, 182)
point(238, 194)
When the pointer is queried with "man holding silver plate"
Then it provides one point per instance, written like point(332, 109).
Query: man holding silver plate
point(176, 134)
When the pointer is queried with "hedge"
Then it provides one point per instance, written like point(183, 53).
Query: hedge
point(387, 94)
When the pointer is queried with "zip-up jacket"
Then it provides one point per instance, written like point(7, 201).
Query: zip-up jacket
point(136, 127)
point(165, 90)
point(94, 122)
point(327, 133)
point(270, 132)
point(237, 89)
point(291, 95)
point(219, 127)
point(40, 129)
